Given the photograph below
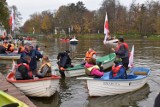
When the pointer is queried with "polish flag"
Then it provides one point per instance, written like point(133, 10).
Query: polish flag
point(106, 29)
point(131, 58)
point(11, 20)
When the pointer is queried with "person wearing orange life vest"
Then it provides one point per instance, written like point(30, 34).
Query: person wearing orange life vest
point(45, 68)
point(118, 71)
point(5, 44)
point(10, 47)
point(21, 48)
point(90, 54)
point(23, 69)
point(122, 51)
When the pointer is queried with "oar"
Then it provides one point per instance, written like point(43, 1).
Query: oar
point(13, 65)
point(84, 78)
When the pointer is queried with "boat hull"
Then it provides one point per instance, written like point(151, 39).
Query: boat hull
point(105, 88)
point(113, 42)
point(75, 73)
point(44, 87)
point(10, 56)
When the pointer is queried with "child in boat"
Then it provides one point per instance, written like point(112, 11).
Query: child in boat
point(23, 70)
point(92, 69)
point(118, 70)
point(45, 68)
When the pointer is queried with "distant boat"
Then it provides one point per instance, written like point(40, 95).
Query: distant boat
point(10, 56)
point(74, 41)
point(7, 100)
point(42, 87)
point(79, 69)
point(64, 40)
point(104, 86)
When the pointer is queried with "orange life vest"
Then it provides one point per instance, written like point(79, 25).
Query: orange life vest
point(27, 66)
point(89, 55)
point(5, 45)
point(21, 48)
point(116, 69)
point(11, 48)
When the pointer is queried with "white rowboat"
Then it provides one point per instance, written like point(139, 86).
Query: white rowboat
point(105, 86)
point(43, 87)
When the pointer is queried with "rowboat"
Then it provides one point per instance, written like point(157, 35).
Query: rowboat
point(106, 61)
point(79, 69)
point(43, 87)
point(10, 56)
point(7, 100)
point(104, 86)
point(113, 42)
point(122, 100)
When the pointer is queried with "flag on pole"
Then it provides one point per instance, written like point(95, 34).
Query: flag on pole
point(131, 58)
point(11, 20)
point(106, 29)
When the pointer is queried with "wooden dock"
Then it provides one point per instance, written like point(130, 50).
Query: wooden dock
point(12, 90)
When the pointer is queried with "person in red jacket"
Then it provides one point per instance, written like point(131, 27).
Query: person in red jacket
point(122, 51)
point(23, 69)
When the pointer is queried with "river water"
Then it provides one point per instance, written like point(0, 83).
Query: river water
point(73, 92)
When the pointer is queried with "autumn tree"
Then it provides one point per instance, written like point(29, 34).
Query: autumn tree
point(4, 14)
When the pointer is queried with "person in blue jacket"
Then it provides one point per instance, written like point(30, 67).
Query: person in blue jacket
point(118, 70)
point(34, 54)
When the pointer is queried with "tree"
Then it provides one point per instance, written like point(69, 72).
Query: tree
point(4, 14)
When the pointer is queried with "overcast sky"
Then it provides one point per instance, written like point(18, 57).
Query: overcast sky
point(28, 7)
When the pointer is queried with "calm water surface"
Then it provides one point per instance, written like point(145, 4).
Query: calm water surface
point(73, 92)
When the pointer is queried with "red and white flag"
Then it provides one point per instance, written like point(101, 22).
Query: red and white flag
point(11, 19)
point(106, 29)
point(131, 58)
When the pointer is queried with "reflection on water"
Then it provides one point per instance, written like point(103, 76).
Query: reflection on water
point(52, 101)
point(124, 100)
point(73, 92)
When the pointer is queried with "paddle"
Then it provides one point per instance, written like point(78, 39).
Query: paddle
point(84, 78)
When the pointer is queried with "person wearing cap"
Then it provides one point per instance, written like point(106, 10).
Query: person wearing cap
point(122, 51)
point(118, 70)
point(64, 60)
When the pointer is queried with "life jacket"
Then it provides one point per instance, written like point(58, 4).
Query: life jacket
point(21, 48)
point(11, 49)
point(48, 73)
point(116, 69)
point(5, 45)
point(89, 55)
point(88, 70)
point(27, 66)
point(3, 36)
point(127, 54)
